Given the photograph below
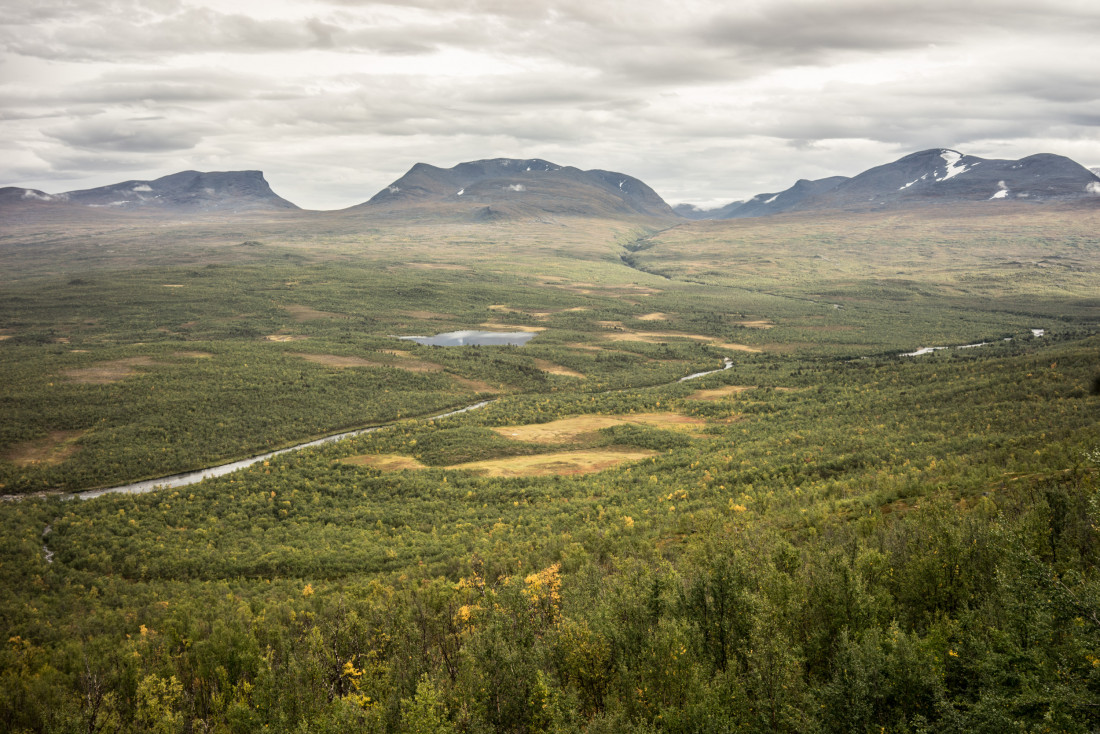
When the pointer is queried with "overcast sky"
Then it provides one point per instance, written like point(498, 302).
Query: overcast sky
point(707, 101)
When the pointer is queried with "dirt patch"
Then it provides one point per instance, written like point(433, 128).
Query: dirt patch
point(284, 337)
point(759, 324)
point(338, 360)
point(385, 462)
point(50, 450)
point(655, 316)
point(106, 372)
point(171, 285)
point(428, 315)
point(305, 313)
point(556, 369)
point(559, 463)
point(5, 336)
point(566, 430)
point(193, 355)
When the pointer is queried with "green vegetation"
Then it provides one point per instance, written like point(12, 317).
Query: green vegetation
point(848, 541)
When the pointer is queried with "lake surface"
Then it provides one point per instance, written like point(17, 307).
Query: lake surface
point(474, 338)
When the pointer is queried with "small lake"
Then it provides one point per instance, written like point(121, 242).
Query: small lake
point(474, 338)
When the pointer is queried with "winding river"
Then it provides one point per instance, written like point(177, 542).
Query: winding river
point(194, 477)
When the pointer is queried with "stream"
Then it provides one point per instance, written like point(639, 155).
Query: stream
point(194, 477)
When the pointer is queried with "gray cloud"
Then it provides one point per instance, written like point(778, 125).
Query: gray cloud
point(705, 100)
point(133, 135)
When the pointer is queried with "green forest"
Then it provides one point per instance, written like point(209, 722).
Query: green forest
point(828, 536)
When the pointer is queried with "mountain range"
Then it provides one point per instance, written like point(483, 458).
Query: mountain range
point(930, 177)
point(187, 191)
point(502, 188)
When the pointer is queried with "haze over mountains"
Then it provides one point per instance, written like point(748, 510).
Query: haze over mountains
point(503, 188)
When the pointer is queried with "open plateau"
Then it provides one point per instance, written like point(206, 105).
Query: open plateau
point(518, 447)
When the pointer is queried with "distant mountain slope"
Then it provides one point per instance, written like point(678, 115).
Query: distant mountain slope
point(932, 177)
point(185, 192)
point(947, 176)
point(785, 201)
point(192, 190)
point(503, 187)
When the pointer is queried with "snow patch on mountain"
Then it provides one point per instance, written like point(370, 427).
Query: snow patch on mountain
point(953, 168)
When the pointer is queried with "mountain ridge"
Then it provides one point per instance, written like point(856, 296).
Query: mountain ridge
point(508, 187)
point(937, 176)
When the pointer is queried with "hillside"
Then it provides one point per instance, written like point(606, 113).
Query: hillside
point(506, 187)
point(938, 178)
point(186, 192)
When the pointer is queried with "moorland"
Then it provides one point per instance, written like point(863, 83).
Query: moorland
point(827, 536)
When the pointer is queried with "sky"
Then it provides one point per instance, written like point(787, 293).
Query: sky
point(707, 101)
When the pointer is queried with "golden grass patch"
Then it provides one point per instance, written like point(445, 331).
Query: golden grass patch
point(655, 316)
point(305, 313)
point(736, 347)
point(556, 369)
point(719, 392)
point(557, 463)
point(171, 285)
point(51, 449)
point(106, 372)
point(510, 327)
point(565, 430)
point(384, 462)
point(428, 315)
point(758, 324)
point(5, 336)
point(193, 355)
point(284, 337)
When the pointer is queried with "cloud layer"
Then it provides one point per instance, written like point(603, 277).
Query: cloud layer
point(705, 100)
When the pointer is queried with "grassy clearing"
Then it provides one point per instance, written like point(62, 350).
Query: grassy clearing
point(107, 372)
point(49, 450)
point(557, 369)
point(719, 393)
point(512, 327)
point(560, 463)
point(568, 430)
point(384, 462)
